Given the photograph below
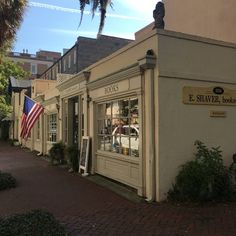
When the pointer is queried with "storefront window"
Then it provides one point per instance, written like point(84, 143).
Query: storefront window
point(118, 127)
point(52, 128)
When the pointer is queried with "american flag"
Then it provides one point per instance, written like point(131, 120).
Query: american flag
point(31, 113)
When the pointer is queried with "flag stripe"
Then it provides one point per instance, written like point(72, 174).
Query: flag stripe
point(36, 115)
point(31, 113)
point(34, 118)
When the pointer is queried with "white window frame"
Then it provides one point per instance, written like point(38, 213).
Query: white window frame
point(106, 136)
point(52, 128)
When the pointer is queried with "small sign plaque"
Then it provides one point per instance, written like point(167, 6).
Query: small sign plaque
point(217, 114)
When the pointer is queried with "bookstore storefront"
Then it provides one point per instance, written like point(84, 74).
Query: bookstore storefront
point(117, 129)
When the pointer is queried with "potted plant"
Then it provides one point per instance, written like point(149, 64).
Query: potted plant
point(57, 153)
point(72, 153)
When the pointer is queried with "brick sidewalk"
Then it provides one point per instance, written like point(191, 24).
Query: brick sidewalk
point(88, 209)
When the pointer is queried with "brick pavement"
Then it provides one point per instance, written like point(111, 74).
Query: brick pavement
point(88, 209)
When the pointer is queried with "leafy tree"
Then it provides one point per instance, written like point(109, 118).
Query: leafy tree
point(11, 15)
point(96, 4)
point(7, 69)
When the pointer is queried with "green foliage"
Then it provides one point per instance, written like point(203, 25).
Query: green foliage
point(7, 69)
point(7, 181)
point(33, 223)
point(57, 153)
point(72, 155)
point(4, 126)
point(203, 179)
point(11, 14)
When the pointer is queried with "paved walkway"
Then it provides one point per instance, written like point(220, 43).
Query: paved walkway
point(88, 209)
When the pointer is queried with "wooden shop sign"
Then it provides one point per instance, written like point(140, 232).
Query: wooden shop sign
point(218, 96)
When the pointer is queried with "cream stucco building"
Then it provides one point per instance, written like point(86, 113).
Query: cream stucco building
point(212, 18)
point(143, 107)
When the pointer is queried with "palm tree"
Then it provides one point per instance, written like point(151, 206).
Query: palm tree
point(96, 4)
point(11, 15)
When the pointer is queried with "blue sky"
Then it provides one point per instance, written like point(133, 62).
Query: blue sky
point(53, 24)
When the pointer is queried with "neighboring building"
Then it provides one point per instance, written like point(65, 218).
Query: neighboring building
point(17, 89)
point(34, 64)
point(85, 52)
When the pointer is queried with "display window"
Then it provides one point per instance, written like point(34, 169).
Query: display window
point(118, 126)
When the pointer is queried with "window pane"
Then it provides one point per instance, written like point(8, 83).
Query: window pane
point(134, 146)
point(101, 129)
point(134, 107)
point(107, 143)
point(108, 126)
point(108, 109)
point(115, 109)
point(116, 143)
point(101, 111)
point(124, 108)
point(101, 143)
point(52, 128)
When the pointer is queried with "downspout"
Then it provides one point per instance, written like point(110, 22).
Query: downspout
point(147, 64)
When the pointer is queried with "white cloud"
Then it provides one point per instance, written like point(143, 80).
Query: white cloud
point(77, 11)
point(140, 7)
point(92, 34)
point(73, 32)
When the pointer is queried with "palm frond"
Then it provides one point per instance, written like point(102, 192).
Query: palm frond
point(11, 16)
point(82, 7)
point(103, 8)
point(96, 4)
point(94, 7)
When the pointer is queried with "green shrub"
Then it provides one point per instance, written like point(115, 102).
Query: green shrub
point(7, 181)
point(33, 223)
point(203, 179)
point(56, 153)
point(72, 155)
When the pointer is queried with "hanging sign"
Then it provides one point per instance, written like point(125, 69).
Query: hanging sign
point(209, 96)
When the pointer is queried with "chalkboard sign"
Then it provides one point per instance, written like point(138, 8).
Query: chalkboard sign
point(84, 153)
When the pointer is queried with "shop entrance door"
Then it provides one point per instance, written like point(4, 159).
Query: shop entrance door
point(73, 121)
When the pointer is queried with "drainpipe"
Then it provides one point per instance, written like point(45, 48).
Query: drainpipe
point(147, 64)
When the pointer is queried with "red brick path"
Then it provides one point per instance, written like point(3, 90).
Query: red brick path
point(88, 209)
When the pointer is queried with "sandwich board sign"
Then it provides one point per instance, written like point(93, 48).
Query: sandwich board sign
point(84, 153)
